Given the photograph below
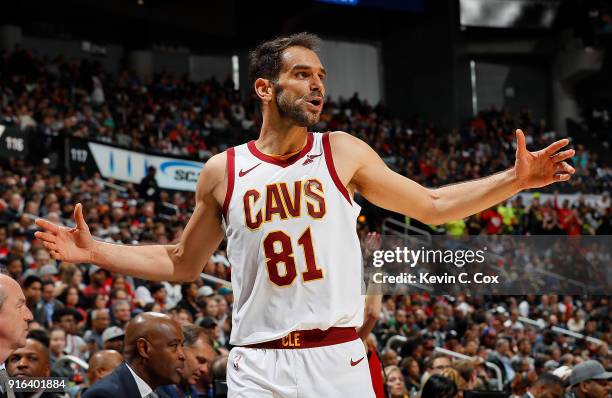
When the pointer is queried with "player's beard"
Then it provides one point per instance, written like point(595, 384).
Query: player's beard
point(288, 107)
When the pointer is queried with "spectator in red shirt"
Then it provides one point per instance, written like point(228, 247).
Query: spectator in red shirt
point(493, 219)
point(97, 277)
point(563, 212)
point(572, 223)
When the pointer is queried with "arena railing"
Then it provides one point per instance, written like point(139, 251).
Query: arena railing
point(490, 365)
point(395, 340)
point(111, 185)
point(402, 230)
point(73, 359)
point(541, 324)
point(214, 279)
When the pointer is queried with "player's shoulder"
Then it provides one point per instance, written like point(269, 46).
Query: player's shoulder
point(213, 172)
point(341, 141)
point(217, 163)
point(339, 135)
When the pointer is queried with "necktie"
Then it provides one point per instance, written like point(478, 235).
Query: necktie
point(4, 384)
point(152, 395)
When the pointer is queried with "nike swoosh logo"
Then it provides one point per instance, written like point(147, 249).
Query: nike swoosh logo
point(355, 363)
point(243, 173)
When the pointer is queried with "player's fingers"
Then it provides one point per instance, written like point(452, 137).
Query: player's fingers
point(555, 146)
point(78, 216)
point(50, 246)
point(560, 156)
point(55, 255)
point(46, 236)
point(520, 140)
point(47, 225)
point(561, 177)
point(565, 168)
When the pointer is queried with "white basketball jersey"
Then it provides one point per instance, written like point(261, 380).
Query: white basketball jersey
point(292, 243)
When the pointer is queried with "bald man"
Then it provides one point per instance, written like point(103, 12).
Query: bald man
point(15, 316)
point(153, 350)
point(101, 364)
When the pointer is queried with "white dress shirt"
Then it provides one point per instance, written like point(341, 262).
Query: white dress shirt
point(143, 387)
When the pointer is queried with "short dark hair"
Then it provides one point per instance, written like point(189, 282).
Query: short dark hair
point(11, 257)
point(185, 288)
point(30, 280)
point(266, 60)
point(439, 386)
point(66, 311)
point(548, 379)
point(430, 361)
point(39, 335)
point(155, 287)
point(45, 283)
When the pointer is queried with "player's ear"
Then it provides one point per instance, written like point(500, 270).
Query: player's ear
point(263, 89)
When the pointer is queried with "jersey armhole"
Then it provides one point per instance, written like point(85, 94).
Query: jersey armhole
point(329, 161)
point(231, 161)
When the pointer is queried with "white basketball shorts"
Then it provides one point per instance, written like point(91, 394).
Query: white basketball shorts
point(339, 370)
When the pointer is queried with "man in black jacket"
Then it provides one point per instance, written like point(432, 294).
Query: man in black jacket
point(154, 356)
point(47, 306)
point(29, 361)
point(148, 187)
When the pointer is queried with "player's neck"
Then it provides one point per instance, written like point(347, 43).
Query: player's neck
point(281, 138)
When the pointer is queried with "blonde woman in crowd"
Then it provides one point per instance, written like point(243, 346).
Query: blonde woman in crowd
point(395, 382)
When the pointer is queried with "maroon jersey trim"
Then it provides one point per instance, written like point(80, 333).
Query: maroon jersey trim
point(231, 165)
point(332, 170)
point(282, 163)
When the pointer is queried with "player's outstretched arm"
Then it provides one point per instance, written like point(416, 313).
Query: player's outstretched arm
point(360, 167)
point(180, 262)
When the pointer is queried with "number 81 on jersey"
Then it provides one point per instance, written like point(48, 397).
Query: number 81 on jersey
point(278, 248)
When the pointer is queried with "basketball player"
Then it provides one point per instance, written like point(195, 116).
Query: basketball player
point(285, 203)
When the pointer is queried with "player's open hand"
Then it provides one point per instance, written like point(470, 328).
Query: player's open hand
point(543, 167)
point(67, 244)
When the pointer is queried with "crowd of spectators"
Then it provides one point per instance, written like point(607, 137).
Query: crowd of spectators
point(488, 329)
point(541, 217)
point(176, 116)
point(82, 309)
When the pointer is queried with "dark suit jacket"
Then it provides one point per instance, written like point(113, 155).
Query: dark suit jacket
point(40, 315)
point(119, 384)
point(176, 391)
point(44, 395)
